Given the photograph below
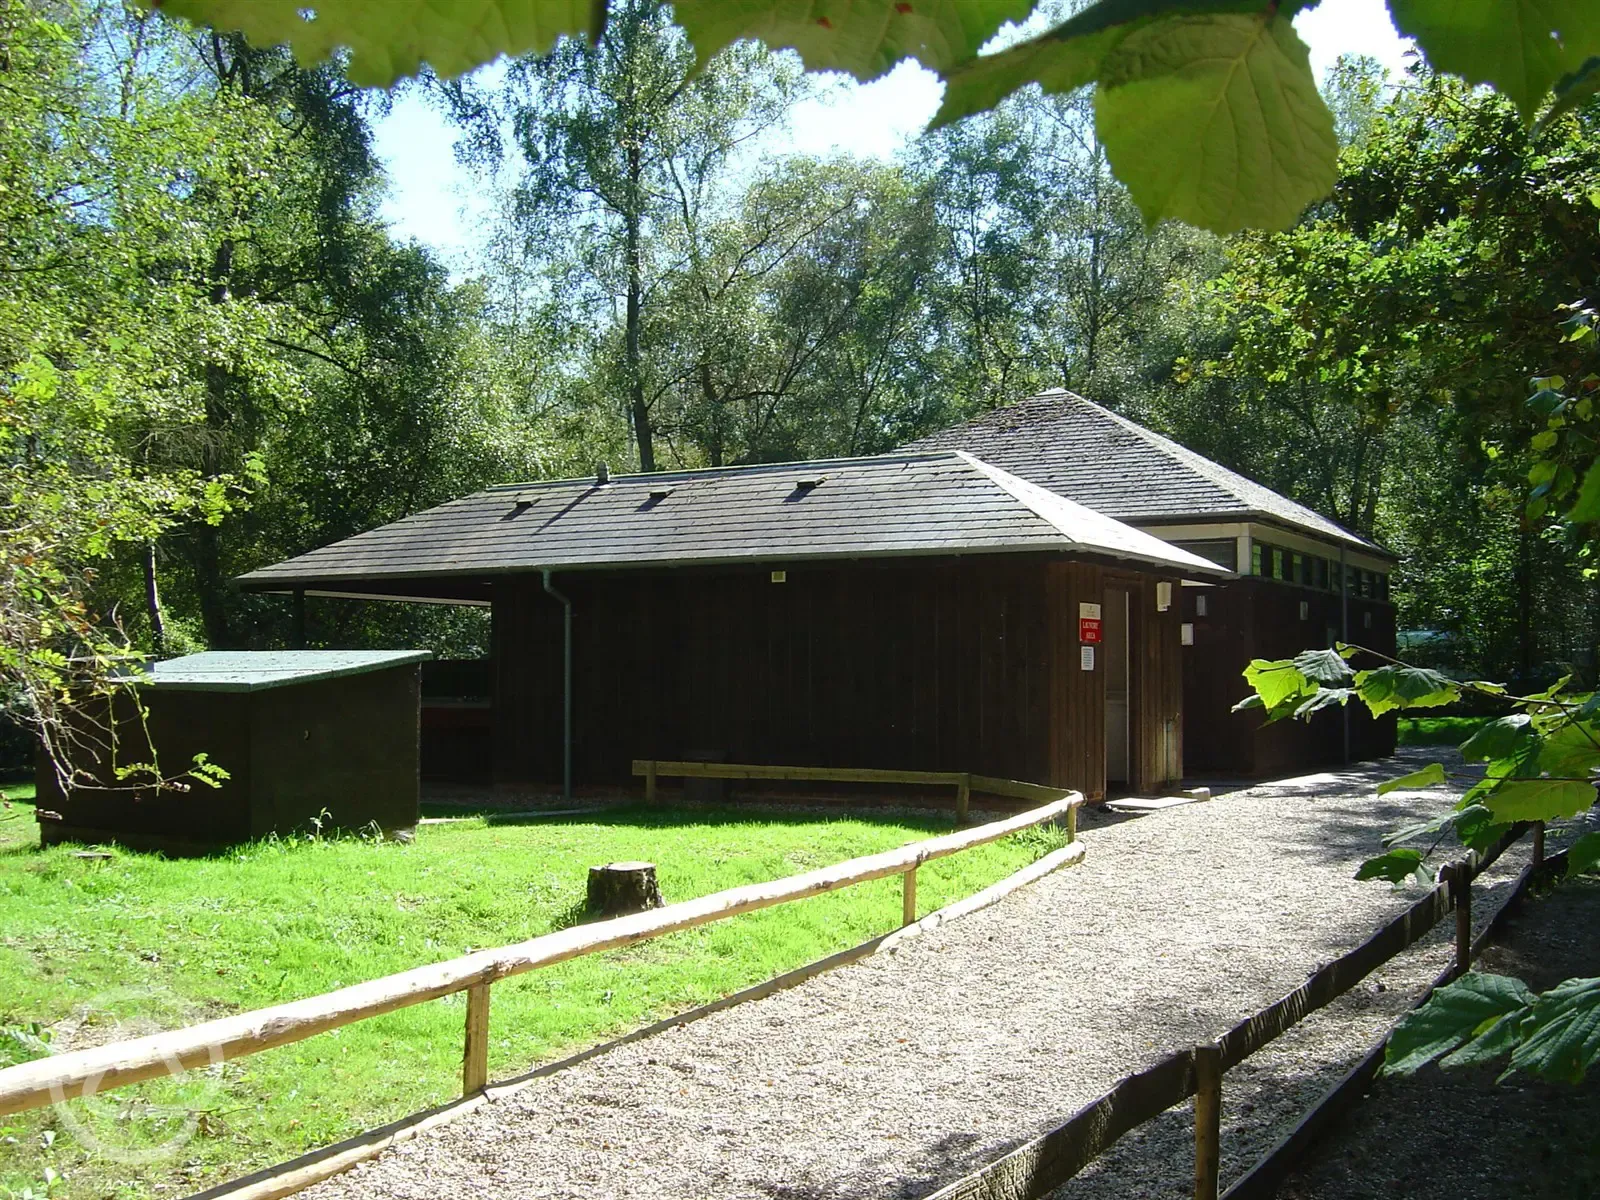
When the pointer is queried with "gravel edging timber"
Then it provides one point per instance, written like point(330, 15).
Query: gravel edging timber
point(896, 1075)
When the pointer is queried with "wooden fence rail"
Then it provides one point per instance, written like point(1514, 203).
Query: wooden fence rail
point(117, 1064)
point(964, 782)
point(1038, 1167)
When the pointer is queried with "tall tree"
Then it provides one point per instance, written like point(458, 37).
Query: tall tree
point(623, 139)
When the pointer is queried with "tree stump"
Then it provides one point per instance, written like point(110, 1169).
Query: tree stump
point(618, 888)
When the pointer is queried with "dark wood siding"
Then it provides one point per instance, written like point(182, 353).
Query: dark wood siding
point(1259, 618)
point(963, 665)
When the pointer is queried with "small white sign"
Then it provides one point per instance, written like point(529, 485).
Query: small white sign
point(1086, 655)
point(1163, 595)
point(1088, 612)
point(1200, 606)
point(1186, 633)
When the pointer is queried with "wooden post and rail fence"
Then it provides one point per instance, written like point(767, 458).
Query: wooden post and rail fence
point(964, 782)
point(64, 1076)
point(1038, 1167)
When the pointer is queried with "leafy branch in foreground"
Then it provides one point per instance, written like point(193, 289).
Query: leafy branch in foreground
point(1207, 108)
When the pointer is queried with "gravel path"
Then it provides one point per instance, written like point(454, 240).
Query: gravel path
point(898, 1074)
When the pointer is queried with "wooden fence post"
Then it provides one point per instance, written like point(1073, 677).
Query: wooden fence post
point(963, 799)
point(650, 782)
point(1207, 1120)
point(1461, 893)
point(475, 1054)
point(908, 897)
point(1538, 843)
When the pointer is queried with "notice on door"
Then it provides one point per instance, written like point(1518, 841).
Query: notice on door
point(1086, 658)
point(1088, 631)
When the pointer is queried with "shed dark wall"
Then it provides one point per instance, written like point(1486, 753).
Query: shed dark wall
point(345, 746)
point(964, 665)
point(1260, 618)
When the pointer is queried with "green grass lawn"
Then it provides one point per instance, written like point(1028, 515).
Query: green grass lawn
point(92, 950)
point(1438, 731)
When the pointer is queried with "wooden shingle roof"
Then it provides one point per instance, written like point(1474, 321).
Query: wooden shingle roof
point(930, 503)
point(1087, 453)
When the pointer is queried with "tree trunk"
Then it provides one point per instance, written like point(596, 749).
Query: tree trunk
point(1525, 600)
point(641, 412)
point(152, 602)
point(619, 888)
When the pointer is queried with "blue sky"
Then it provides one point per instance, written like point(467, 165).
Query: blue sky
point(436, 202)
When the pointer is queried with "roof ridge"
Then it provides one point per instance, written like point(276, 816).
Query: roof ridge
point(1040, 500)
point(891, 456)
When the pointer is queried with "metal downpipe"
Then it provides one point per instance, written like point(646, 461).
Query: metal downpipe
point(566, 686)
point(1344, 636)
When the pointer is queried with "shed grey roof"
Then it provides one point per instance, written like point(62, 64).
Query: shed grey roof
point(257, 670)
point(1080, 450)
point(930, 503)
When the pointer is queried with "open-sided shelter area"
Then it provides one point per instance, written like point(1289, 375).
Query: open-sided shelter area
point(1302, 580)
point(326, 737)
point(917, 611)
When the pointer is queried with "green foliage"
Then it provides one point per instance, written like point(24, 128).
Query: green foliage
point(1584, 854)
point(1481, 1018)
point(1207, 107)
point(1476, 1012)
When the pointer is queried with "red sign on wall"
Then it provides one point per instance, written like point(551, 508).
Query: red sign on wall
point(1088, 629)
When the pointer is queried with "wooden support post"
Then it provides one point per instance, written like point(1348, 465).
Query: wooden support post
point(475, 1055)
point(1461, 892)
point(650, 782)
point(908, 897)
point(1207, 1120)
point(1538, 843)
point(1072, 824)
point(963, 798)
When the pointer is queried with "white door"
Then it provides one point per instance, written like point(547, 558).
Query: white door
point(1115, 650)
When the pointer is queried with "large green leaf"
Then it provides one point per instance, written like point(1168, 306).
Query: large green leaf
point(1324, 666)
point(1474, 1005)
point(1404, 687)
point(1396, 866)
point(1539, 799)
point(1584, 854)
point(1216, 120)
point(1522, 47)
point(1279, 688)
point(389, 40)
point(863, 37)
point(1428, 776)
point(1562, 1034)
point(1502, 738)
point(1066, 57)
point(1572, 751)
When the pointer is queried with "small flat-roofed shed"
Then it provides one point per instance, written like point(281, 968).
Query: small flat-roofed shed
point(1303, 581)
point(325, 737)
point(909, 611)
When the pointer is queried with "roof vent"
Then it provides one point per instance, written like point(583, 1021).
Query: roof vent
point(659, 494)
point(806, 485)
point(602, 474)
